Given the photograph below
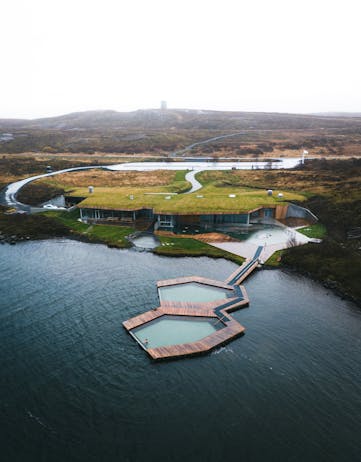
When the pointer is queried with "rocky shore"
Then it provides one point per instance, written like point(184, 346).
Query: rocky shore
point(12, 239)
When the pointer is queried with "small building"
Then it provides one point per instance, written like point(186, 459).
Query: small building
point(190, 213)
point(146, 217)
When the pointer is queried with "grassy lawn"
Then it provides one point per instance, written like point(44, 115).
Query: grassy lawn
point(187, 247)
point(317, 231)
point(111, 235)
point(275, 259)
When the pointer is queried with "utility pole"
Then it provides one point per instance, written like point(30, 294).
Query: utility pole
point(303, 156)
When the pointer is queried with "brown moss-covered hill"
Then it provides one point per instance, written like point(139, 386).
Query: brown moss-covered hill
point(163, 132)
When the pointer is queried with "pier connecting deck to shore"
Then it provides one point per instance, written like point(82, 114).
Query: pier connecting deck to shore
point(232, 297)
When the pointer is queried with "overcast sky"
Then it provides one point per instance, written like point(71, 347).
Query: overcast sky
point(60, 56)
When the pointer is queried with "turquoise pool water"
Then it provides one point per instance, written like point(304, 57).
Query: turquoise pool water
point(174, 330)
point(192, 292)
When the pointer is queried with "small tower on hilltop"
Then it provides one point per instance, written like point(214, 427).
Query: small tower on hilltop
point(163, 105)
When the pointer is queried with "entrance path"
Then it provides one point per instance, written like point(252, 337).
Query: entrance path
point(271, 240)
point(196, 185)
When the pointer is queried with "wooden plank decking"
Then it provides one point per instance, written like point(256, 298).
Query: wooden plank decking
point(247, 273)
point(215, 309)
point(235, 272)
point(231, 329)
point(197, 305)
point(187, 279)
point(252, 265)
point(148, 316)
point(214, 340)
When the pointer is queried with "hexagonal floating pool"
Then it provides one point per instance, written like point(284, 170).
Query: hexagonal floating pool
point(192, 292)
point(192, 317)
point(175, 330)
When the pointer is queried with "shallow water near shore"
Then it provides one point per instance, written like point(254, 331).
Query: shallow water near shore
point(75, 386)
point(145, 241)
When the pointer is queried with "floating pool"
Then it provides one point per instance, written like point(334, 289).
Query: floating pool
point(192, 292)
point(174, 330)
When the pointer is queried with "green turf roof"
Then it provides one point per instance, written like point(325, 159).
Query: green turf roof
point(213, 200)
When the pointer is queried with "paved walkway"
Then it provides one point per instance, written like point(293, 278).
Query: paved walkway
point(196, 185)
point(271, 240)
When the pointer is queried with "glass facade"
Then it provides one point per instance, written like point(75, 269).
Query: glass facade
point(169, 221)
point(269, 213)
point(166, 222)
point(116, 215)
point(232, 218)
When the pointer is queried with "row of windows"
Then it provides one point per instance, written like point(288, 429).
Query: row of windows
point(99, 214)
point(226, 218)
point(171, 219)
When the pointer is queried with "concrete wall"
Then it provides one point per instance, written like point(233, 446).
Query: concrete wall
point(295, 211)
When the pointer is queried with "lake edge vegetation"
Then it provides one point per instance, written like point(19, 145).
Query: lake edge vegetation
point(332, 192)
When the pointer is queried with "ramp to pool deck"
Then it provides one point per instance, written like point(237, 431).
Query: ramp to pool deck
point(238, 276)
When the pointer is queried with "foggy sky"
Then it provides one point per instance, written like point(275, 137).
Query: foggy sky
point(258, 55)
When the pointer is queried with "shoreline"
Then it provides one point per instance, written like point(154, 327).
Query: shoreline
point(330, 285)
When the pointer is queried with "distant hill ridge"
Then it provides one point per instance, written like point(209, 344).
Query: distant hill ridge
point(185, 119)
point(337, 114)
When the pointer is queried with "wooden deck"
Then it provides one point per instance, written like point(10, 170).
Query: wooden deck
point(201, 305)
point(251, 264)
point(247, 273)
point(214, 340)
point(148, 316)
point(218, 309)
point(200, 280)
point(231, 329)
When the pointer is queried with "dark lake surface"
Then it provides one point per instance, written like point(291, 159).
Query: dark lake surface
point(74, 386)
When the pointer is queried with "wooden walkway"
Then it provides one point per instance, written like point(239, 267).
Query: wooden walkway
point(214, 340)
point(241, 273)
point(218, 309)
point(189, 279)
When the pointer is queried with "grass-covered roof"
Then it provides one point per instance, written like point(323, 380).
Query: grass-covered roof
point(148, 190)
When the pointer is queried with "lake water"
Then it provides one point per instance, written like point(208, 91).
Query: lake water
point(75, 386)
point(276, 163)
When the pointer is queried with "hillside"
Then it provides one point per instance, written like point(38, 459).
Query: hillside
point(161, 132)
point(186, 119)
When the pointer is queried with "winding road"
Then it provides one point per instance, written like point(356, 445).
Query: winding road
point(209, 140)
point(8, 194)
